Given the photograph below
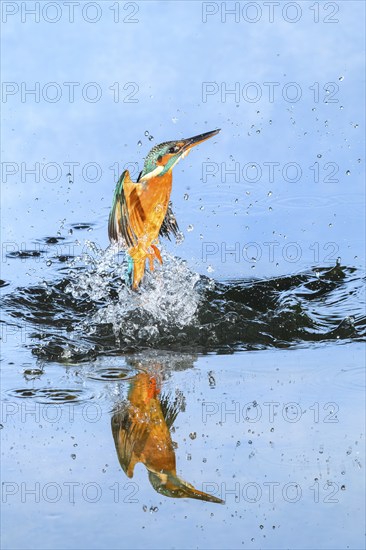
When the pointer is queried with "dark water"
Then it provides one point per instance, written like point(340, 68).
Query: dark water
point(90, 311)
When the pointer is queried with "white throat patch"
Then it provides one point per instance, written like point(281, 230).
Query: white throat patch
point(152, 174)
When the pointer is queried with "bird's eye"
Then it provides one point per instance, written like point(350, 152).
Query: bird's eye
point(173, 149)
point(160, 158)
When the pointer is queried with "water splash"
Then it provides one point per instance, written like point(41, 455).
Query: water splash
point(92, 311)
point(168, 297)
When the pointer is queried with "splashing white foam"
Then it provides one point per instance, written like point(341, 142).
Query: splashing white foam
point(168, 297)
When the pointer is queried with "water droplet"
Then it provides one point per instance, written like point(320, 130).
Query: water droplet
point(190, 228)
point(210, 269)
point(179, 238)
point(147, 133)
point(48, 263)
point(319, 156)
point(73, 456)
point(193, 435)
point(174, 120)
point(186, 196)
point(231, 317)
point(343, 487)
point(269, 193)
point(330, 225)
point(270, 121)
point(341, 78)
point(341, 107)
point(204, 460)
point(348, 173)
point(313, 109)
point(258, 132)
point(139, 143)
point(32, 373)
point(202, 207)
point(151, 138)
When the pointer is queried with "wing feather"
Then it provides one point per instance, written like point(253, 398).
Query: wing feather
point(169, 225)
point(126, 215)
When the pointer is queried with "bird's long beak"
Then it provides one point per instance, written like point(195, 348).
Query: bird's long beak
point(195, 140)
point(170, 485)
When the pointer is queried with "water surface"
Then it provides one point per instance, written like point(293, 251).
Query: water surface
point(223, 405)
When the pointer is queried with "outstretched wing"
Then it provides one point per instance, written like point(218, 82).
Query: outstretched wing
point(127, 215)
point(169, 224)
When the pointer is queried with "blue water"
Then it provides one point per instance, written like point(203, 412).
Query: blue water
point(241, 363)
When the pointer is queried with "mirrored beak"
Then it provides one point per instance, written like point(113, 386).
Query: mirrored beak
point(170, 485)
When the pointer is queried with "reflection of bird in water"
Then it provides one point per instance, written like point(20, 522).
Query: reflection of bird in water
point(141, 433)
point(141, 212)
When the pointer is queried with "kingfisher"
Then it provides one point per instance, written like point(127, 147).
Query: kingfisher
point(141, 432)
point(141, 211)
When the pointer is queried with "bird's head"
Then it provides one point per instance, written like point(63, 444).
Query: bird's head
point(162, 158)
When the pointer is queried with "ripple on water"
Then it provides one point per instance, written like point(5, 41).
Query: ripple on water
point(305, 201)
point(24, 254)
point(112, 374)
point(80, 226)
point(51, 395)
point(53, 240)
point(352, 378)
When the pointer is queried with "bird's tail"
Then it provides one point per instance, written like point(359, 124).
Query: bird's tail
point(137, 262)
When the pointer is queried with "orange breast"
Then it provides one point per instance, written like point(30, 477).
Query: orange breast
point(148, 212)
